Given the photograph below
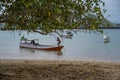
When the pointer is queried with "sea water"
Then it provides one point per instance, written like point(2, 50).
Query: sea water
point(83, 46)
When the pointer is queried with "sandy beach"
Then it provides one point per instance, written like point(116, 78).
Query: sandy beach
point(58, 70)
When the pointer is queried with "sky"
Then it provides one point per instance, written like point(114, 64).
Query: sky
point(113, 9)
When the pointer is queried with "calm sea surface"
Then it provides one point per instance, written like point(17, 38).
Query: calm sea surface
point(83, 46)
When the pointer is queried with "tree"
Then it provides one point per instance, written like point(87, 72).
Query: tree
point(51, 15)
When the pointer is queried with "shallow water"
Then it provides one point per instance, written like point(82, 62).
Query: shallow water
point(83, 46)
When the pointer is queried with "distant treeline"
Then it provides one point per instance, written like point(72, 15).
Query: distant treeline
point(113, 26)
point(109, 27)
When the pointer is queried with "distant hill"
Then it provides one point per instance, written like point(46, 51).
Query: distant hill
point(110, 25)
point(116, 25)
point(106, 24)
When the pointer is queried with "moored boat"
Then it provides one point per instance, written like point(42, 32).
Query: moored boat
point(34, 44)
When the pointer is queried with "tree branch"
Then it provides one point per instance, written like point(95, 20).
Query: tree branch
point(40, 32)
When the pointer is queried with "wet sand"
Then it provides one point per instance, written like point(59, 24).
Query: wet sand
point(58, 70)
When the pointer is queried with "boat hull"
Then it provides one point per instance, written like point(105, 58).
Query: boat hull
point(41, 47)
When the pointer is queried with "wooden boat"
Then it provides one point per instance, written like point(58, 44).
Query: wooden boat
point(41, 47)
point(34, 44)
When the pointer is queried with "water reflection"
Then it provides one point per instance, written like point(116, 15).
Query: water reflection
point(106, 41)
point(23, 50)
point(60, 53)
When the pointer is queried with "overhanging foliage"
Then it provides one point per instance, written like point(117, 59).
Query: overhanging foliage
point(51, 15)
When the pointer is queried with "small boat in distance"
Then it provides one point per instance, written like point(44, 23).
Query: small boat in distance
point(31, 44)
point(106, 39)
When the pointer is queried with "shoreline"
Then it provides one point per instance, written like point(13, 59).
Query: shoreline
point(18, 69)
point(59, 60)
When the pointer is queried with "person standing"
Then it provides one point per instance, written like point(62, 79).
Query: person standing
point(58, 41)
